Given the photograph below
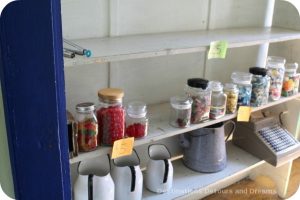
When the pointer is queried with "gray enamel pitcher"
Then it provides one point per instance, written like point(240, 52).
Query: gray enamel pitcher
point(204, 149)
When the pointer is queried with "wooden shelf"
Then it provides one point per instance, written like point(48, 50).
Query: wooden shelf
point(152, 45)
point(159, 127)
point(238, 162)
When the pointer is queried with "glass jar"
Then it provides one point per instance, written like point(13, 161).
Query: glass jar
point(232, 93)
point(260, 86)
point(136, 120)
point(198, 91)
point(111, 115)
point(243, 82)
point(87, 127)
point(291, 80)
point(181, 109)
point(275, 66)
point(218, 100)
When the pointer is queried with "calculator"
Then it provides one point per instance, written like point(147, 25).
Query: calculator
point(268, 140)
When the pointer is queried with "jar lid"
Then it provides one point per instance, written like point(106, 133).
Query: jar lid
point(197, 83)
point(215, 86)
point(258, 71)
point(275, 62)
point(230, 86)
point(111, 94)
point(181, 102)
point(137, 109)
point(85, 107)
point(291, 67)
point(241, 77)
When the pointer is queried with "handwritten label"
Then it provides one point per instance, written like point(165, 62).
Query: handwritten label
point(218, 49)
point(244, 114)
point(122, 147)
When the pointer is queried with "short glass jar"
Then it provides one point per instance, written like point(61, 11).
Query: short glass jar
point(198, 91)
point(275, 67)
point(136, 120)
point(181, 109)
point(243, 82)
point(291, 80)
point(86, 127)
point(111, 115)
point(232, 93)
point(218, 100)
point(260, 86)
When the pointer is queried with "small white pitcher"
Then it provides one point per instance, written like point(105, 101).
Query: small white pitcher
point(94, 181)
point(159, 174)
point(128, 178)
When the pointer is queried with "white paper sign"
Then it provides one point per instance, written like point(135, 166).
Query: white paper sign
point(3, 4)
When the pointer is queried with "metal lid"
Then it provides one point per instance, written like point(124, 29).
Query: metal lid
point(113, 94)
point(197, 83)
point(85, 107)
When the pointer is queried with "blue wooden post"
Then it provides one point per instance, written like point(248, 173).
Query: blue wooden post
point(32, 79)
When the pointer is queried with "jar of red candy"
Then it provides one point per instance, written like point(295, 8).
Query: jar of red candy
point(87, 127)
point(111, 115)
point(136, 120)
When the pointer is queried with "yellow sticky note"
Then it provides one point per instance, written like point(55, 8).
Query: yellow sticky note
point(244, 114)
point(122, 147)
point(217, 49)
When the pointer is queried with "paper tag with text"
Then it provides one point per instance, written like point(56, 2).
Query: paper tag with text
point(217, 49)
point(244, 114)
point(122, 147)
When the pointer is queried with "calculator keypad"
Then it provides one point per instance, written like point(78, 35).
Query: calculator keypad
point(277, 138)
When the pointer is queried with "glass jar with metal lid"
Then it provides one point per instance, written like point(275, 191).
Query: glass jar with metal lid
point(260, 86)
point(180, 115)
point(218, 100)
point(87, 127)
point(110, 115)
point(291, 80)
point(136, 120)
point(201, 95)
point(243, 82)
point(232, 92)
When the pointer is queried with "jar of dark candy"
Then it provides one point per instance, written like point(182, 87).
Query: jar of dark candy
point(232, 93)
point(291, 80)
point(243, 82)
point(218, 100)
point(260, 86)
point(180, 115)
point(87, 127)
point(198, 91)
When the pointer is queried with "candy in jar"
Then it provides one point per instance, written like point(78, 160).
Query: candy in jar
point(201, 95)
point(275, 66)
point(180, 111)
point(232, 93)
point(290, 81)
point(218, 100)
point(111, 115)
point(243, 82)
point(87, 127)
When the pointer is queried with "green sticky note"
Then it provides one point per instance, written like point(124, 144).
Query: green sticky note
point(218, 49)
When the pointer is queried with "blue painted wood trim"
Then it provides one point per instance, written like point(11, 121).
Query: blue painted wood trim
point(32, 78)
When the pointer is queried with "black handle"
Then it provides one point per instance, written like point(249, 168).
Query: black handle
point(90, 187)
point(166, 170)
point(133, 178)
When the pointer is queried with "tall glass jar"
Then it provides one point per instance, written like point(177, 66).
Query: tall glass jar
point(111, 115)
point(260, 86)
point(87, 127)
point(136, 120)
point(218, 100)
point(181, 109)
point(243, 82)
point(201, 95)
point(290, 81)
point(232, 93)
point(275, 66)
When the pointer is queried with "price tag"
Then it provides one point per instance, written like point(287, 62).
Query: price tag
point(244, 114)
point(217, 49)
point(122, 147)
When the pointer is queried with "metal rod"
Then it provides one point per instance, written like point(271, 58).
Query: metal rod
point(68, 54)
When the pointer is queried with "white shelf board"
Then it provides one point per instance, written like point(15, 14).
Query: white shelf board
point(187, 181)
point(151, 45)
point(159, 127)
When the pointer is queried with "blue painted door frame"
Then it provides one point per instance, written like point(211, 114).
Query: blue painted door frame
point(32, 79)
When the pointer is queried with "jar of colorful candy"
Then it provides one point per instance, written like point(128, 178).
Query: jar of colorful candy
point(197, 90)
point(243, 82)
point(136, 120)
point(218, 100)
point(86, 127)
point(232, 93)
point(291, 80)
point(111, 115)
point(275, 66)
point(181, 107)
point(260, 86)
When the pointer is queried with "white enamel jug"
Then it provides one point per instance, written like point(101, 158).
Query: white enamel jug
point(159, 174)
point(94, 181)
point(128, 177)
